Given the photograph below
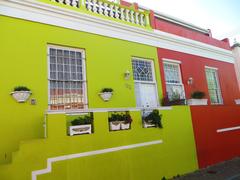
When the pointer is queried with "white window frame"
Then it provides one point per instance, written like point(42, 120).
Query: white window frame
point(82, 51)
point(217, 83)
point(154, 81)
point(175, 63)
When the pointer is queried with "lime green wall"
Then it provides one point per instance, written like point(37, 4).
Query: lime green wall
point(176, 155)
point(24, 62)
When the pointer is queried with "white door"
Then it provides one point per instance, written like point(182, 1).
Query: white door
point(145, 83)
point(146, 95)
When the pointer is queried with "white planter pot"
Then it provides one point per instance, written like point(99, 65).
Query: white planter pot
point(80, 129)
point(125, 126)
point(106, 96)
point(21, 96)
point(115, 126)
point(237, 101)
point(148, 125)
point(197, 102)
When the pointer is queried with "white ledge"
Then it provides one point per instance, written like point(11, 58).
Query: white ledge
point(228, 129)
point(35, 11)
point(80, 111)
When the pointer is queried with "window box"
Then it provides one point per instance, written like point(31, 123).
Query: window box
point(21, 96)
point(125, 126)
point(167, 102)
point(148, 125)
point(80, 129)
point(115, 125)
point(106, 96)
point(237, 101)
point(197, 102)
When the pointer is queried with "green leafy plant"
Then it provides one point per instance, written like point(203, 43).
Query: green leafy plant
point(106, 90)
point(154, 118)
point(175, 96)
point(125, 117)
point(82, 120)
point(198, 95)
point(21, 88)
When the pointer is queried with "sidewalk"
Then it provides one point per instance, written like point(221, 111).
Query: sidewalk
point(228, 170)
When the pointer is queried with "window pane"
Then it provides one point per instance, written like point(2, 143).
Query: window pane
point(173, 81)
point(213, 86)
point(142, 70)
point(66, 75)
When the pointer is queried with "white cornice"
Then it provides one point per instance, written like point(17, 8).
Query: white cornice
point(33, 10)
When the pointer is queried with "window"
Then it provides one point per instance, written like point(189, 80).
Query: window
point(145, 83)
point(213, 86)
point(174, 85)
point(142, 70)
point(67, 80)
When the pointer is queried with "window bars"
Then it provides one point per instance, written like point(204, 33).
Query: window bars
point(67, 84)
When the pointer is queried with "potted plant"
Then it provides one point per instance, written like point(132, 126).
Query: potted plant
point(153, 119)
point(237, 101)
point(21, 93)
point(119, 121)
point(197, 98)
point(81, 125)
point(127, 120)
point(174, 100)
point(115, 121)
point(106, 94)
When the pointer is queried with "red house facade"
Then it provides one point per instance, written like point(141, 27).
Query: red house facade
point(215, 125)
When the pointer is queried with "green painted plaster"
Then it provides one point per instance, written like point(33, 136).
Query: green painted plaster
point(24, 62)
point(176, 155)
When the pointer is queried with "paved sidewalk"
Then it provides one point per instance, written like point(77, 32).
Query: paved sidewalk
point(228, 170)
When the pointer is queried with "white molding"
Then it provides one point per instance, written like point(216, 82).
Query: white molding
point(50, 161)
point(33, 10)
point(228, 129)
point(165, 60)
point(80, 111)
point(209, 67)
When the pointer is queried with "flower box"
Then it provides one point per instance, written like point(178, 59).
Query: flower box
point(125, 126)
point(197, 102)
point(21, 96)
point(80, 129)
point(106, 96)
point(115, 126)
point(237, 101)
point(148, 125)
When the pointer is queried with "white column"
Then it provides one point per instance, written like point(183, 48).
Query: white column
point(94, 6)
point(105, 9)
point(116, 12)
point(122, 14)
point(111, 10)
point(100, 7)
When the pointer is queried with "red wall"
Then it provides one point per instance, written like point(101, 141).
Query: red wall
point(213, 147)
point(194, 66)
point(169, 27)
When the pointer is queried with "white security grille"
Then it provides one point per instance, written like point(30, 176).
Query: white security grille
point(66, 79)
point(142, 70)
point(213, 86)
point(173, 80)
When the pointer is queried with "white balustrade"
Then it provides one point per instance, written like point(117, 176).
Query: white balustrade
point(108, 9)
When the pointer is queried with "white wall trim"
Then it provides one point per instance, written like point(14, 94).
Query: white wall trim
point(209, 67)
point(50, 161)
point(33, 10)
point(165, 60)
point(228, 129)
point(80, 111)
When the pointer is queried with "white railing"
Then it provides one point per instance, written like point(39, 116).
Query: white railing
point(109, 9)
point(73, 3)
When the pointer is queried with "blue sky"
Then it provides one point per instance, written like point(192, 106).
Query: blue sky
point(221, 16)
